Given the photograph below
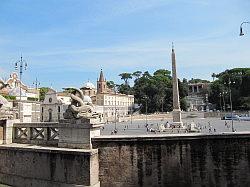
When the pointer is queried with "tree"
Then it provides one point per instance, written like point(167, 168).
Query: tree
point(125, 89)
point(157, 88)
point(137, 74)
point(126, 77)
point(198, 81)
point(240, 88)
point(43, 91)
point(213, 76)
point(110, 84)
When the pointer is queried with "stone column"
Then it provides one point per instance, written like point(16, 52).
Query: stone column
point(176, 101)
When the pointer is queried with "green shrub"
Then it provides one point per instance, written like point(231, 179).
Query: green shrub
point(9, 97)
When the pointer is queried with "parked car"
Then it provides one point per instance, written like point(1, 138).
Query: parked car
point(230, 117)
point(244, 117)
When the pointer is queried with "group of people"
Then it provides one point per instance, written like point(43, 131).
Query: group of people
point(114, 132)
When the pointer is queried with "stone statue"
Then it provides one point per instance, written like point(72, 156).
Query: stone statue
point(5, 111)
point(78, 107)
point(3, 85)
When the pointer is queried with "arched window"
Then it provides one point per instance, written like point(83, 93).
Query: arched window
point(59, 109)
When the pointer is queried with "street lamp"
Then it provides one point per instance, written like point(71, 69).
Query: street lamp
point(223, 99)
point(231, 103)
point(162, 104)
point(241, 30)
point(131, 114)
point(220, 102)
point(19, 65)
point(115, 87)
point(36, 83)
point(207, 107)
point(146, 99)
point(22, 64)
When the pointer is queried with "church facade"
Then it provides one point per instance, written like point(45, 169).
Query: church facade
point(112, 105)
point(115, 105)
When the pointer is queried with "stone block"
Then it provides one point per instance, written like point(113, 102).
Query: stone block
point(29, 165)
point(78, 133)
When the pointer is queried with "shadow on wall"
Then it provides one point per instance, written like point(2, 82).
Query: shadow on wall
point(205, 162)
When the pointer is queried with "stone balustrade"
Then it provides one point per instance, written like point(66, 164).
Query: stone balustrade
point(45, 133)
point(67, 159)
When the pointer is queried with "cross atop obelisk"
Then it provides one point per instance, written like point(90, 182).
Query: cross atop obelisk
point(176, 100)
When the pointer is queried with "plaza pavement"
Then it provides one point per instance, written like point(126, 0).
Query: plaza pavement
point(137, 127)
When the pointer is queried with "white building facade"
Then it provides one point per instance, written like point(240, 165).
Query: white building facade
point(54, 105)
point(115, 105)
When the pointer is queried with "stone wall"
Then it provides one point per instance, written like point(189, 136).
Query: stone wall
point(203, 161)
point(26, 166)
point(1, 134)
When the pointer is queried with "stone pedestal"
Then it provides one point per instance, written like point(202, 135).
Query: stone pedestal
point(177, 122)
point(77, 133)
point(6, 130)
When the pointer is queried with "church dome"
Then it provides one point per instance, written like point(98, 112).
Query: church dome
point(87, 99)
point(89, 85)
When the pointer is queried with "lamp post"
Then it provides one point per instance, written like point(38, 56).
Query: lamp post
point(19, 65)
point(115, 86)
point(162, 104)
point(230, 100)
point(146, 104)
point(207, 107)
point(131, 115)
point(36, 83)
point(220, 101)
point(241, 30)
point(231, 103)
point(224, 103)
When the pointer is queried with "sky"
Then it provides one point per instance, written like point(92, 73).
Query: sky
point(67, 42)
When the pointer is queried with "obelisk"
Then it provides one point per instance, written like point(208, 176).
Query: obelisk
point(176, 100)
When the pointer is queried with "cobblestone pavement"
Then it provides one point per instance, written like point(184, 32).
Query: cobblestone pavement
point(138, 127)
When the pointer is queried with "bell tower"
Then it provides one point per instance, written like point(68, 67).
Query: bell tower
point(101, 83)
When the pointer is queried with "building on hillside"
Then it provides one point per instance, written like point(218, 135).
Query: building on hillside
point(19, 89)
point(54, 105)
point(25, 106)
point(197, 96)
point(197, 88)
